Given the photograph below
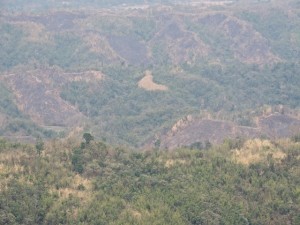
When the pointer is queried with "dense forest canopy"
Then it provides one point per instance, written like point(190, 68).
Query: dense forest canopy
point(92, 183)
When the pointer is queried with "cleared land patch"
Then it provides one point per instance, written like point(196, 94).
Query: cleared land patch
point(148, 84)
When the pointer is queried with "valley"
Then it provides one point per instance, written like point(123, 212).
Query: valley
point(75, 66)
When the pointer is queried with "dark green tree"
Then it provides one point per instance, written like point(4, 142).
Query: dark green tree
point(77, 160)
point(88, 138)
point(39, 145)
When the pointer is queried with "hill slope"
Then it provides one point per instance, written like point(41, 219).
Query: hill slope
point(227, 58)
point(191, 131)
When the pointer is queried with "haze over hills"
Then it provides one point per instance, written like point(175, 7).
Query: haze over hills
point(127, 71)
point(149, 112)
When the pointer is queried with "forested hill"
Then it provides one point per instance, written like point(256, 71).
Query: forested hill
point(128, 71)
point(36, 5)
point(68, 182)
point(202, 96)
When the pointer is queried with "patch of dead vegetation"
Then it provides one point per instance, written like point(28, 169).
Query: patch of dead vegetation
point(180, 44)
point(257, 150)
point(249, 46)
point(171, 162)
point(132, 212)
point(13, 163)
point(42, 101)
point(2, 168)
point(99, 44)
point(80, 187)
point(148, 84)
point(36, 32)
point(136, 214)
point(12, 157)
point(88, 76)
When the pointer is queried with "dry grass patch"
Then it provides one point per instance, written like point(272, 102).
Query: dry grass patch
point(257, 150)
point(2, 169)
point(35, 32)
point(100, 45)
point(171, 162)
point(88, 76)
point(13, 158)
point(83, 194)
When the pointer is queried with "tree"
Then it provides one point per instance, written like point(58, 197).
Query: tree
point(39, 145)
point(208, 145)
point(77, 160)
point(196, 145)
point(88, 138)
point(157, 144)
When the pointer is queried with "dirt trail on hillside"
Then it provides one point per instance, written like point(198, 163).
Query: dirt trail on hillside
point(148, 84)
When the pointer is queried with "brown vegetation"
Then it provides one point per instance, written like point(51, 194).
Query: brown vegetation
point(148, 84)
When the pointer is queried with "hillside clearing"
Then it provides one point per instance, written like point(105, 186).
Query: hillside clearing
point(148, 84)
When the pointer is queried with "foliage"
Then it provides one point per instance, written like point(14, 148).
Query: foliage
point(118, 186)
point(39, 145)
point(69, 182)
point(279, 28)
point(88, 138)
point(7, 105)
